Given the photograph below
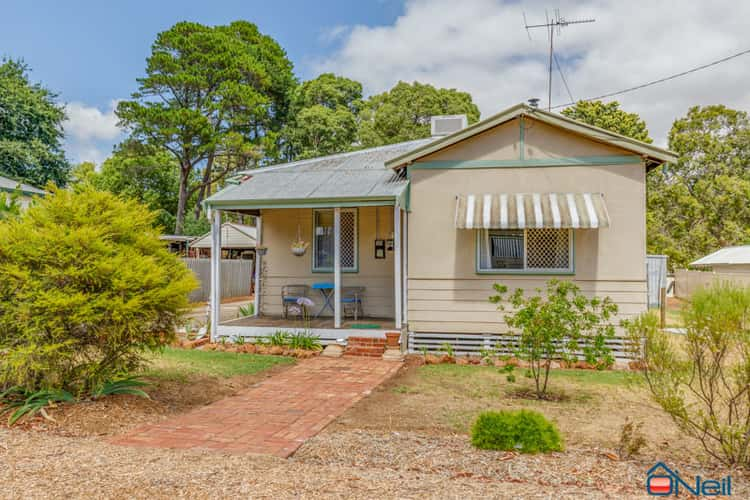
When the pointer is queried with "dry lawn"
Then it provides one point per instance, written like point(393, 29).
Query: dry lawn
point(408, 439)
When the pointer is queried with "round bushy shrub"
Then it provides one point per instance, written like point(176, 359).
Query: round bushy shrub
point(86, 289)
point(520, 430)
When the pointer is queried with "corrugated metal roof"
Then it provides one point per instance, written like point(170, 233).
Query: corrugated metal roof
point(7, 184)
point(356, 175)
point(728, 255)
point(232, 236)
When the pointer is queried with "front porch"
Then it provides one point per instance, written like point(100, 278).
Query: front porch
point(262, 326)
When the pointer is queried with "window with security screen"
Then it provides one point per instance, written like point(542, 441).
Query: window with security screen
point(518, 250)
point(323, 240)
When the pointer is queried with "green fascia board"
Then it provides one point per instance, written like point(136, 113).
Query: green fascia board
point(303, 203)
point(534, 162)
point(22, 191)
point(657, 154)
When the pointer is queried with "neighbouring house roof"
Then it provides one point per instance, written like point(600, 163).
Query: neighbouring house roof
point(336, 180)
point(7, 184)
point(176, 238)
point(652, 154)
point(531, 210)
point(232, 236)
point(728, 255)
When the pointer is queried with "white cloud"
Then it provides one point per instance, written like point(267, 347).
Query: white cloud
point(90, 132)
point(481, 46)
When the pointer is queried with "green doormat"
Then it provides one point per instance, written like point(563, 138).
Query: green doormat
point(365, 326)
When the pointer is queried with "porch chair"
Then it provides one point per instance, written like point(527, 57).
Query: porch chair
point(289, 296)
point(351, 300)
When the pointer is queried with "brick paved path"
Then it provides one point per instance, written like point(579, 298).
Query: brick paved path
point(274, 416)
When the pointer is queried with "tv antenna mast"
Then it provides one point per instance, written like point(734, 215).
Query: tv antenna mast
point(555, 24)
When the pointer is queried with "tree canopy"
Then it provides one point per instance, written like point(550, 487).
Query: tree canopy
point(215, 98)
point(30, 129)
point(609, 116)
point(700, 203)
point(323, 117)
point(403, 113)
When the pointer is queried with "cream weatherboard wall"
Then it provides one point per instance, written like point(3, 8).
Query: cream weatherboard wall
point(446, 294)
point(281, 267)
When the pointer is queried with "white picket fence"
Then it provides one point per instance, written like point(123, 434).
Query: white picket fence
point(236, 276)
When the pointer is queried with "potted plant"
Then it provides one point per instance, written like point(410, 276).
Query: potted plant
point(299, 247)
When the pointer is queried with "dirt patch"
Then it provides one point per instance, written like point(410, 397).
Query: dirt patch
point(118, 414)
point(450, 456)
point(589, 416)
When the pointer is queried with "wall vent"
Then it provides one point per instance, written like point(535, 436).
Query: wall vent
point(443, 125)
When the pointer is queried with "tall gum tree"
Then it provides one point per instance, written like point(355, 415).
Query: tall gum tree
point(213, 97)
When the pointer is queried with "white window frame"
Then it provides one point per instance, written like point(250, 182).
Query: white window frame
point(482, 234)
point(344, 269)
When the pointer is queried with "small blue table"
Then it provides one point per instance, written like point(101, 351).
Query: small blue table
point(326, 290)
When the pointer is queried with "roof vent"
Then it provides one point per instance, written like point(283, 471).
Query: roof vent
point(443, 125)
point(534, 102)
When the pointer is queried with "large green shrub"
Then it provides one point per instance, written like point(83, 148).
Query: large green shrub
point(521, 430)
point(86, 288)
point(557, 325)
point(702, 380)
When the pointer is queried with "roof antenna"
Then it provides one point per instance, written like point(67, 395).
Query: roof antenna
point(556, 23)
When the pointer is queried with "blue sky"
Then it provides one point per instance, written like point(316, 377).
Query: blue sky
point(91, 52)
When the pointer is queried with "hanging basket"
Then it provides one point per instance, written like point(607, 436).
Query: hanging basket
point(299, 248)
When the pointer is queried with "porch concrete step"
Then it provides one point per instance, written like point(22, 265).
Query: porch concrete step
point(365, 346)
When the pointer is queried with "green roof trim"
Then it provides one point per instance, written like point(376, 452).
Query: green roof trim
point(305, 203)
point(655, 154)
point(532, 162)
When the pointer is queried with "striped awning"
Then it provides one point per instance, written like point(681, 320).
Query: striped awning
point(531, 210)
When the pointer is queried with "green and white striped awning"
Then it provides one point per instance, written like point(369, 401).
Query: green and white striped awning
point(531, 210)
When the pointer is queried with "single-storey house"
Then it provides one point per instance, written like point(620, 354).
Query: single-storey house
point(237, 242)
point(727, 260)
point(26, 191)
point(422, 229)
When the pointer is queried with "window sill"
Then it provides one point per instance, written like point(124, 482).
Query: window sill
point(526, 272)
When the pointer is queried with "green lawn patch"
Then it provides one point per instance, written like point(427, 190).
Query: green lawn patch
point(179, 364)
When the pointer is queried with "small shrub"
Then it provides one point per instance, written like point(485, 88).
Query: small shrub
point(510, 378)
point(246, 310)
point(519, 430)
point(447, 348)
point(304, 340)
point(127, 385)
point(631, 439)
point(703, 383)
point(280, 338)
point(21, 403)
point(553, 325)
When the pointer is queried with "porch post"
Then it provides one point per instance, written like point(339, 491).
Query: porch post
point(337, 267)
point(258, 257)
point(405, 277)
point(215, 298)
point(397, 262)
